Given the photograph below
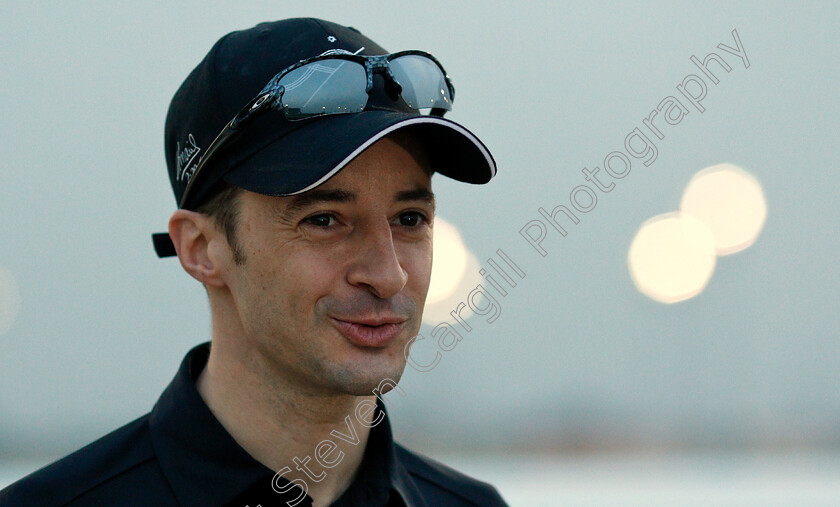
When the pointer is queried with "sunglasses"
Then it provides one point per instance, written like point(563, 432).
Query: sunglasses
point(340, 83)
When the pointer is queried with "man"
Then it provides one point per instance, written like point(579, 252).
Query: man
point(302, 165)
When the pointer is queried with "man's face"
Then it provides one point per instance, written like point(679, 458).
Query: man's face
point(334, 279)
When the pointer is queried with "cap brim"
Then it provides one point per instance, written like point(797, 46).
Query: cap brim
point(308, 156)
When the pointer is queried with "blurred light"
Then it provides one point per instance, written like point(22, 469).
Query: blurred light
point(672, 257)
point(450, 261)
point(454, 274)
point(438, 312)
point(731, 203)
point(9, 300)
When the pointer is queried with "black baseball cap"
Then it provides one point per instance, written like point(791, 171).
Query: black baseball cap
point(277, 156)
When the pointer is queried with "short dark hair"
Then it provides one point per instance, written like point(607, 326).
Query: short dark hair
point(223, 207)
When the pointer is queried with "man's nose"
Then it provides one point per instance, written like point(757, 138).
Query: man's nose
point(376, 265)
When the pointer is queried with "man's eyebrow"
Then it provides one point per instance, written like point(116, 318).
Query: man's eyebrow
point(302, 201)
point(306, 199)
point(417, 194)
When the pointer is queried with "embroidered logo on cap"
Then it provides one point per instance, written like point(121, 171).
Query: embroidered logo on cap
point(186, 159)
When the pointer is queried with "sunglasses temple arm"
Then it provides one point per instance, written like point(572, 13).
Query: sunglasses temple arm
point(265, 101)
point(217, 143)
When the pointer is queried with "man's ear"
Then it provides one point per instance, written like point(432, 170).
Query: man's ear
point(193, 235)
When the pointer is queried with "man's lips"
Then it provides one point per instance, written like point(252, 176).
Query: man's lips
point(370, 332)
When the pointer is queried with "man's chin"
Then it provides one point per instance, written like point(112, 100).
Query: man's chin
point(371, 381)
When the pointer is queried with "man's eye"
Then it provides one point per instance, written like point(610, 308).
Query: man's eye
point(412, 219)
point(324, 220)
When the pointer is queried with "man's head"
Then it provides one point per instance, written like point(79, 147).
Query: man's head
point(313, 232)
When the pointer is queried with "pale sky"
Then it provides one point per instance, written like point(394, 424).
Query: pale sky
point(93, 325)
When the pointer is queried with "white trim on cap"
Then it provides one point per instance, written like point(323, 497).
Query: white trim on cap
point(411, 121)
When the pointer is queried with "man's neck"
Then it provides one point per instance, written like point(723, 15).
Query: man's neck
point(281, 427)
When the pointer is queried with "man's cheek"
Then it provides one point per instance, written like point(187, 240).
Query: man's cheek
point(418, 267)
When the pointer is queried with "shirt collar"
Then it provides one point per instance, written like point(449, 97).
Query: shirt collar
point(375, 479)
point(202, 462)
point(206, 467)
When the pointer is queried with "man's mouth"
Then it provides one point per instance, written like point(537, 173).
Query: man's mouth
point(370, 332)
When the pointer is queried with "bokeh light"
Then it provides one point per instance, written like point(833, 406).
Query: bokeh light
point(9, 300)
point(438, 312)
point(450, 261)
point(672, 257)
point(730, 202)
point(454, 274)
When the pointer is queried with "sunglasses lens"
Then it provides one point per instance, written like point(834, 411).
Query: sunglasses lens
point(324, 87)
point(423, 83)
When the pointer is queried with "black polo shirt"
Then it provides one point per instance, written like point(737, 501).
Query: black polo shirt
point(180, 455)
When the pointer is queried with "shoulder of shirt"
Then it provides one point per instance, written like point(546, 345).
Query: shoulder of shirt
point(434, 474)
point(71, 477)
